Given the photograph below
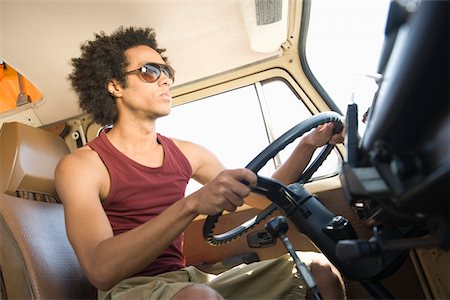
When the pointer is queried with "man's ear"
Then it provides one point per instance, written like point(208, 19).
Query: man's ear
point(114, 88)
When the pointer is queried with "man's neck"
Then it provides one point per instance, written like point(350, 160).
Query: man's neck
point(133, 135)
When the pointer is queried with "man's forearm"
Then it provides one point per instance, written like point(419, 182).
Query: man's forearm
point(290, 170)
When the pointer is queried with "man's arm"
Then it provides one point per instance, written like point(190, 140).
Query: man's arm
point(106, 259)
point(291, 169)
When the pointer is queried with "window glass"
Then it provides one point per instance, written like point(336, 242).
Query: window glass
point(285, 111)
point(343, 45)
point(229, 124)
point(237, 125)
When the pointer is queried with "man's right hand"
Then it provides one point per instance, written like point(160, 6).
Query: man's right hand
point(225, 192)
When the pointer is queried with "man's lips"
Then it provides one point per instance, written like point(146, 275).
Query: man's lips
point(166, 96)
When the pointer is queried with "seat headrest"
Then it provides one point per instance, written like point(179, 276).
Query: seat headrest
point(28, 158)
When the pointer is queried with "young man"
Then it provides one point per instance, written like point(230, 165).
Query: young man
point(123, 193)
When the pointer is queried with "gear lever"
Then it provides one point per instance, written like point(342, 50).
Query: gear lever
point(277, 227)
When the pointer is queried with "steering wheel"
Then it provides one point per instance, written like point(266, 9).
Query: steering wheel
point(271, 188)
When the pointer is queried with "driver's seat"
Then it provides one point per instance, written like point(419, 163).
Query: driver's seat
point(36, 259)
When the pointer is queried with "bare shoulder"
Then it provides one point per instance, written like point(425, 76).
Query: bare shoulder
point(204, 163)
point(80, 159)
point(81, 169)
point(193, 151)
point(188, 146)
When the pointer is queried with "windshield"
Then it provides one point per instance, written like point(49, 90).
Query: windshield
point(343, 45)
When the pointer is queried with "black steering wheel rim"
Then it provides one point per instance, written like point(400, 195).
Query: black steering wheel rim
point(259, 161)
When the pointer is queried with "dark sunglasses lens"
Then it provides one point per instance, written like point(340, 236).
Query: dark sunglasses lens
point(168, 72)
point(150, 73)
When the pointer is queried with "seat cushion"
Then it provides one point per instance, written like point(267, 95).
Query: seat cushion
point(36, 258)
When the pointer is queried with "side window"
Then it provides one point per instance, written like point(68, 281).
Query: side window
point(284, 111)
point(229, 124)
point(237, 125)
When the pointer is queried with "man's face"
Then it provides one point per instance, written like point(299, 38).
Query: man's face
point(148, 99)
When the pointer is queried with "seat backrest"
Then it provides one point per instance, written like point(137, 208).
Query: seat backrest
point(36, 258)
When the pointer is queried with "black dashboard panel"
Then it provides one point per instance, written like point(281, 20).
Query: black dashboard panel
point(398, 172)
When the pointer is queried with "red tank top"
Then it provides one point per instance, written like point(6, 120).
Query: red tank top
point(139, 193)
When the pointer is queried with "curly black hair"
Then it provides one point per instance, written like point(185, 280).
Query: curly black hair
point(101, 60)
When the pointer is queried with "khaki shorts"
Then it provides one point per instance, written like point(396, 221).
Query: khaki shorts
point(268, 279)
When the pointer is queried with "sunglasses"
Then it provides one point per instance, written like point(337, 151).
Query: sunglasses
point(151, 72)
